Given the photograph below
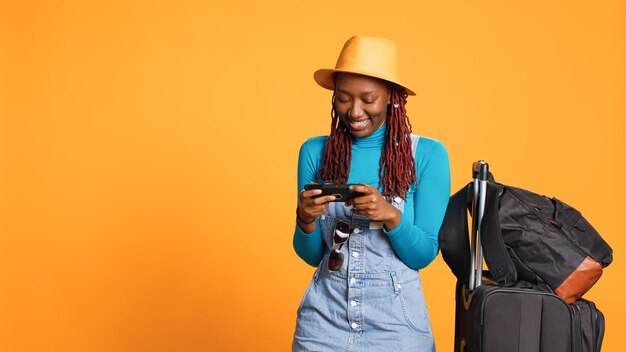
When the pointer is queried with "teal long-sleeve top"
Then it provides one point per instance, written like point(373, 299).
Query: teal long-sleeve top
point(415, 239)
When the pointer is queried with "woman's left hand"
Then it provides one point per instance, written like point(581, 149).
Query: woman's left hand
point(374, 206)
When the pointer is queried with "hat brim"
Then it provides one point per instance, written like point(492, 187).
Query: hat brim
point(324, 78)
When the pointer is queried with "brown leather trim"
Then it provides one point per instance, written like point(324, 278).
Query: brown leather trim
point(580, 280)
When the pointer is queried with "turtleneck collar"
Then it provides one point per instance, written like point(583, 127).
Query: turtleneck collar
point(376, 139)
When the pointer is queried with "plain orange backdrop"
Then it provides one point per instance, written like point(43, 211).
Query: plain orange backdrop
point(148, 152)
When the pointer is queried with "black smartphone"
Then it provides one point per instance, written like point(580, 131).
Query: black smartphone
point(342, 193)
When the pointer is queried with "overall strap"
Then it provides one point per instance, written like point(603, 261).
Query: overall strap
point(414, 140)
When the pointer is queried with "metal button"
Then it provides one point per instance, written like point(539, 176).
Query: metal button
point(355, 254)
point(356, 231)
point(354, 325)
point(352, 280)
point(323, 217)
point(353, 303)
point(399, 286)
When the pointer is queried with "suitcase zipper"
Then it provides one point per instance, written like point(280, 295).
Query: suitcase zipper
point(594, 322)
point(576, 336)
point(599, 330)
point(597, 325)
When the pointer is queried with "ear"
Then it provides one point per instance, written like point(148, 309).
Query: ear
point(389, 90)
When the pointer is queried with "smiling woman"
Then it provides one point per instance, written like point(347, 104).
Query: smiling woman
point(361, 102)
point(366, 292)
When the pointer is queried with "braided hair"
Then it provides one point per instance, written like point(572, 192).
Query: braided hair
point(397, 166)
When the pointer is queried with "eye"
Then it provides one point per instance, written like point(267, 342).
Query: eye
point(369, 98)
point(342, 100)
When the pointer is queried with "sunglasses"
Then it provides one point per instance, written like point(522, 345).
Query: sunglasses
point(340, 236)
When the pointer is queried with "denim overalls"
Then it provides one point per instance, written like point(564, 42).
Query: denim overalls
point(373, 303)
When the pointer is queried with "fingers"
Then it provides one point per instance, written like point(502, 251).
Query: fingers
point(363, 188)
point(370, 195)
point(309, 210)
point(316, 210)
point(370, 204)
point(363, 207)
point(365, 199)
point(313, 197)
point(307, 215)
point(365, 203)
point(310, 193)
point(371, 209)
point(312, 204)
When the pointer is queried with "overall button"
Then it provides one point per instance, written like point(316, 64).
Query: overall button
point(353, 303)
point(354, 325)
point(323, 217)
point(356, 231)
point(352, 281)
point(355, 254)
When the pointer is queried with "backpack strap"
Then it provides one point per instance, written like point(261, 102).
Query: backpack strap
point(454, 237)
point(497, 257)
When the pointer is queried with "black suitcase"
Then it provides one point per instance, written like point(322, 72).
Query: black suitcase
point(490, 318)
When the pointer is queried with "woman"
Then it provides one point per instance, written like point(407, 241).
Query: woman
point(366, 293)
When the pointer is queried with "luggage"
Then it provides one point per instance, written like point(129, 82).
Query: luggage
point(528, 237)
point(509, 319)
point(520, 317)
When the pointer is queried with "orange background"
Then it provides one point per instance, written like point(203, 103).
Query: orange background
point(148, 152)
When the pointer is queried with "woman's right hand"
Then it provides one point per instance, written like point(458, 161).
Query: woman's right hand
point(312, 206)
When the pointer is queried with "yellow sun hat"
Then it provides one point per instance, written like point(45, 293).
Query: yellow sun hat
point(368, 56)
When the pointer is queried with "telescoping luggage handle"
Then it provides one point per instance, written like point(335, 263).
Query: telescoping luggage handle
point(480, 173)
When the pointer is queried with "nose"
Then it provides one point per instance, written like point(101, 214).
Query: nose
point(355, 110)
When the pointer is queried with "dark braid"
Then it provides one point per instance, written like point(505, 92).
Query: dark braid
point(338, 150)
point(396, 156)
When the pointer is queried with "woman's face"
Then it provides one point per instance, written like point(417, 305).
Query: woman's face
point(361, 103)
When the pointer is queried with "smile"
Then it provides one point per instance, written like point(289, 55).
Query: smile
point(359, 123)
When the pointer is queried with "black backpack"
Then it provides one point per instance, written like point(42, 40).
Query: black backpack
point(526, 238)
